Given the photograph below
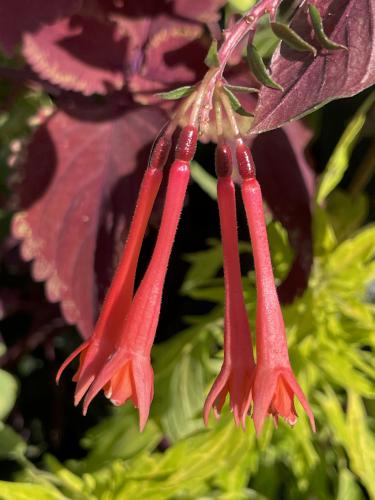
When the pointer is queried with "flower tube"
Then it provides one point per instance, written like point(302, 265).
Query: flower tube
point(274, 385)
point(238, 370)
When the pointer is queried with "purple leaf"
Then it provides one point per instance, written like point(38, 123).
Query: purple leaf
point(80, 182)
point(173, 57)
point(310, 82)
point(287, 183)
point(81, 54)
point(149, 44)
point(197, 10)
point(19, 17)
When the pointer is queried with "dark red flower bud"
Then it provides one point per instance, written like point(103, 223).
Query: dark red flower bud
point(187, 143)
point(245, 161)
point(223, 160)
point(160, 152)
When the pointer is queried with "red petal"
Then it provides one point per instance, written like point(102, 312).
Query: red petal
point(144, 384)
point(263, 391)
point(70, 358)
point(295, 387)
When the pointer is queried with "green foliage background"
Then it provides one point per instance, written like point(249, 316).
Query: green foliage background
point(331, 335)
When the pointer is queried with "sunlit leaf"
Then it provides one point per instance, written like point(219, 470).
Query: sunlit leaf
point(339, 161)
point(26, 491)
point(8, 393)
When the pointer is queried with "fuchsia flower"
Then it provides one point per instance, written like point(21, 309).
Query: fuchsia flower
point(275, 385)
point(238, 370)
point(117, 356)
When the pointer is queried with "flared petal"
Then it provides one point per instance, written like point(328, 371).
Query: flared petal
point(282, 403)
point(263, 391)
point(70, 358)
point(296, 388)
point(121, 386)
point(217, 395)
point(144, 387)
point(103, 376)
point(274, 392)
point(240, 387)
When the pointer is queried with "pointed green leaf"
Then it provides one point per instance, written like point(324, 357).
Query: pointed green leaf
point(259, 70)
point(242, 89)
point(235, 103)
point(28, 491)
point(319, 30)
point(339, 161)
point(348, 488)
point(8, 393)
point(361, 443)
point(212, 59)
point(176, 93)
point(12, 446)
point(291, 38)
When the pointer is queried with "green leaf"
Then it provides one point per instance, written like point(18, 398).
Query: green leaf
point(12, 446)
point(8, 393)
point(117, 437)
point(176, 93)
point(181, 374)
point(358, 249)
point(348, 487)
point(212, 58)
point(241, 89)
point(241, 5)
point(204, 180)
point(291, 38)
point(204, 265)
point(28, 491)
point(346, 212)
point(360, 443)
point(319, 30)
point(259, 70)
point(67, 479)
point(324, 237)
point(235, 103)
point(339, 161)
point(353, 434)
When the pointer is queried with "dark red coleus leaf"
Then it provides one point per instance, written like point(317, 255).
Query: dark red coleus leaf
point(310, 82)
point(197, 10)
point(19, 17)
point(288, 186)
point(81, 54)
point(80, 183)
point(156, 42)
point(173, 56)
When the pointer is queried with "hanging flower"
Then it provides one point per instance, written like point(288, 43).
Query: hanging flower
point(117, 357)
point(275, 385)
point(237, 373)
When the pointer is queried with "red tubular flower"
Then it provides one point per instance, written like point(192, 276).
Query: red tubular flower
point(95, 351)
point(117, 356)
point(275, 385)
point(238, 370)
point(129, 367)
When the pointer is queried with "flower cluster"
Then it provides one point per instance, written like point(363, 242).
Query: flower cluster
point(117, 357)
point(269, 384)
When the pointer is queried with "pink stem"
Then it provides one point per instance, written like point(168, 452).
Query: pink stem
point(233, 37)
